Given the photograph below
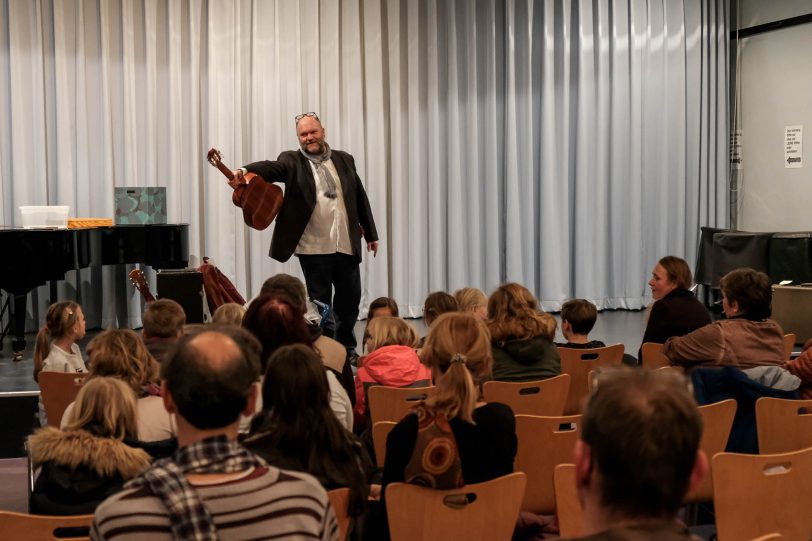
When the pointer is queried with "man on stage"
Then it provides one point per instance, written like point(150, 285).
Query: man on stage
point(324, 214)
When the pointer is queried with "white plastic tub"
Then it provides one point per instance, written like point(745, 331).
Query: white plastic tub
point(52, 217)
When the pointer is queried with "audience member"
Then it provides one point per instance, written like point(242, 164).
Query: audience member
point(638, 456)
point(578, 316)
point(333, 354)
point(56, 349)
point(164, 322)
point(676, 311)
point(121, 354)
point(230, 313)
point(298, 431)
point(198, 492)
point(391, 361)
point(802, 368)
point(88, 460)
point(746, 339)
point(437, 304)
point(521, 335)
point(276, 322)
point(471, 299)
point(383, 306)
point(481, 437)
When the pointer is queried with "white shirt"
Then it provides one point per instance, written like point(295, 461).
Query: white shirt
point(59, 360)
point(327, 231)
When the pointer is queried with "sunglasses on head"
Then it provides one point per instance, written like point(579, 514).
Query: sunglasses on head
point(311, 113)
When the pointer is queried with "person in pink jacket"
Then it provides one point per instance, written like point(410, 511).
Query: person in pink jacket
point(391, 361)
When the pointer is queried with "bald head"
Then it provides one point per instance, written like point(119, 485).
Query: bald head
point(209, 376)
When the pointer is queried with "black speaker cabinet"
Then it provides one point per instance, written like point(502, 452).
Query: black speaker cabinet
point(186, 288)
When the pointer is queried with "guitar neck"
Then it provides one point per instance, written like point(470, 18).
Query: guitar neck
point(225, 170)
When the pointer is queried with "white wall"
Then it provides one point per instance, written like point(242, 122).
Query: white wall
point(775, 91)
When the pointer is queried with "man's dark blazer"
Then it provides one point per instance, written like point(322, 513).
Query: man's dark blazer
point(293, 169)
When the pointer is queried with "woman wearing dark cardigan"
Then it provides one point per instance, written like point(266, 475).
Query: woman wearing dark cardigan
point(458, 351)
point(676, 311)
point(297, 430)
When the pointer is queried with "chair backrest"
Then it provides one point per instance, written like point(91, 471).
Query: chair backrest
point(544, 443)
point(44, 528)
point(653, 357)
point(480, 512)
point(568, 508)
point(789, 344)
point(543, 397)
point(340, 500)
point(783, 425)
point(717, 419)
point(578, 363)
point(760, 494)
point(393, 403)
point(380, 431)
point(58, 390)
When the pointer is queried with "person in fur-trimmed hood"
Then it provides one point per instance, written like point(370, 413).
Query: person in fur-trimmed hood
point(87, 461)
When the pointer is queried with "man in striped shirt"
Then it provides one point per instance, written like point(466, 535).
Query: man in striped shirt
point(213, 488)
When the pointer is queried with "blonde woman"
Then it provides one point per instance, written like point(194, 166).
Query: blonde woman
point(87, 460)
point(121, 354)
point(391, 361)
point(471, 299)
point(521, 336)
point(453, 438)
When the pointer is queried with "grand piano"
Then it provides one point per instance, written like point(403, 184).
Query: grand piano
point(32, 257)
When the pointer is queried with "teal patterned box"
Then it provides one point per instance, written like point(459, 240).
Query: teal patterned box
point(140, 205)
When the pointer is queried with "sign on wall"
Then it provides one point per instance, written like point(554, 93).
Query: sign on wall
point(793, 147)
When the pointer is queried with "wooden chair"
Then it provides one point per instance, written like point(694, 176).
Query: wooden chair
point(44, 528)
point(480, 512)
point(544, 397)
point(58, 390)
point(340, 500)
point(717, 419)
point(783, 425)
point(578, 363)
point(393, 403)
point(380, 431)
point(760, 494)
point(567, 505)
point(769, 537)
point(653, 357)
point(789, 344)
point(543, 445)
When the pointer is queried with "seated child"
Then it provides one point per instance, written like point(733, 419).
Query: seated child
point(163, 321)
point(392, 361)
point(56, 349)
point(578, 316)
point(471, 299)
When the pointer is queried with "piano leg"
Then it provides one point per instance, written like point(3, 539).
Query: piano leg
point(18, 326)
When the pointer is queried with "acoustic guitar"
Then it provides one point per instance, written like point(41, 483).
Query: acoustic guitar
point(260, 201)
point(140, 283)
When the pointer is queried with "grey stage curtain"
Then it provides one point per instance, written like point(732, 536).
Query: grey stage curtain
point(566, 145)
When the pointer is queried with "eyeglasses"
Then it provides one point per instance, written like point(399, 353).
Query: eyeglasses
point(311, 113)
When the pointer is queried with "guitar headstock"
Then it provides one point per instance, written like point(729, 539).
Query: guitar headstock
point(214, 157)
point(140, 283)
